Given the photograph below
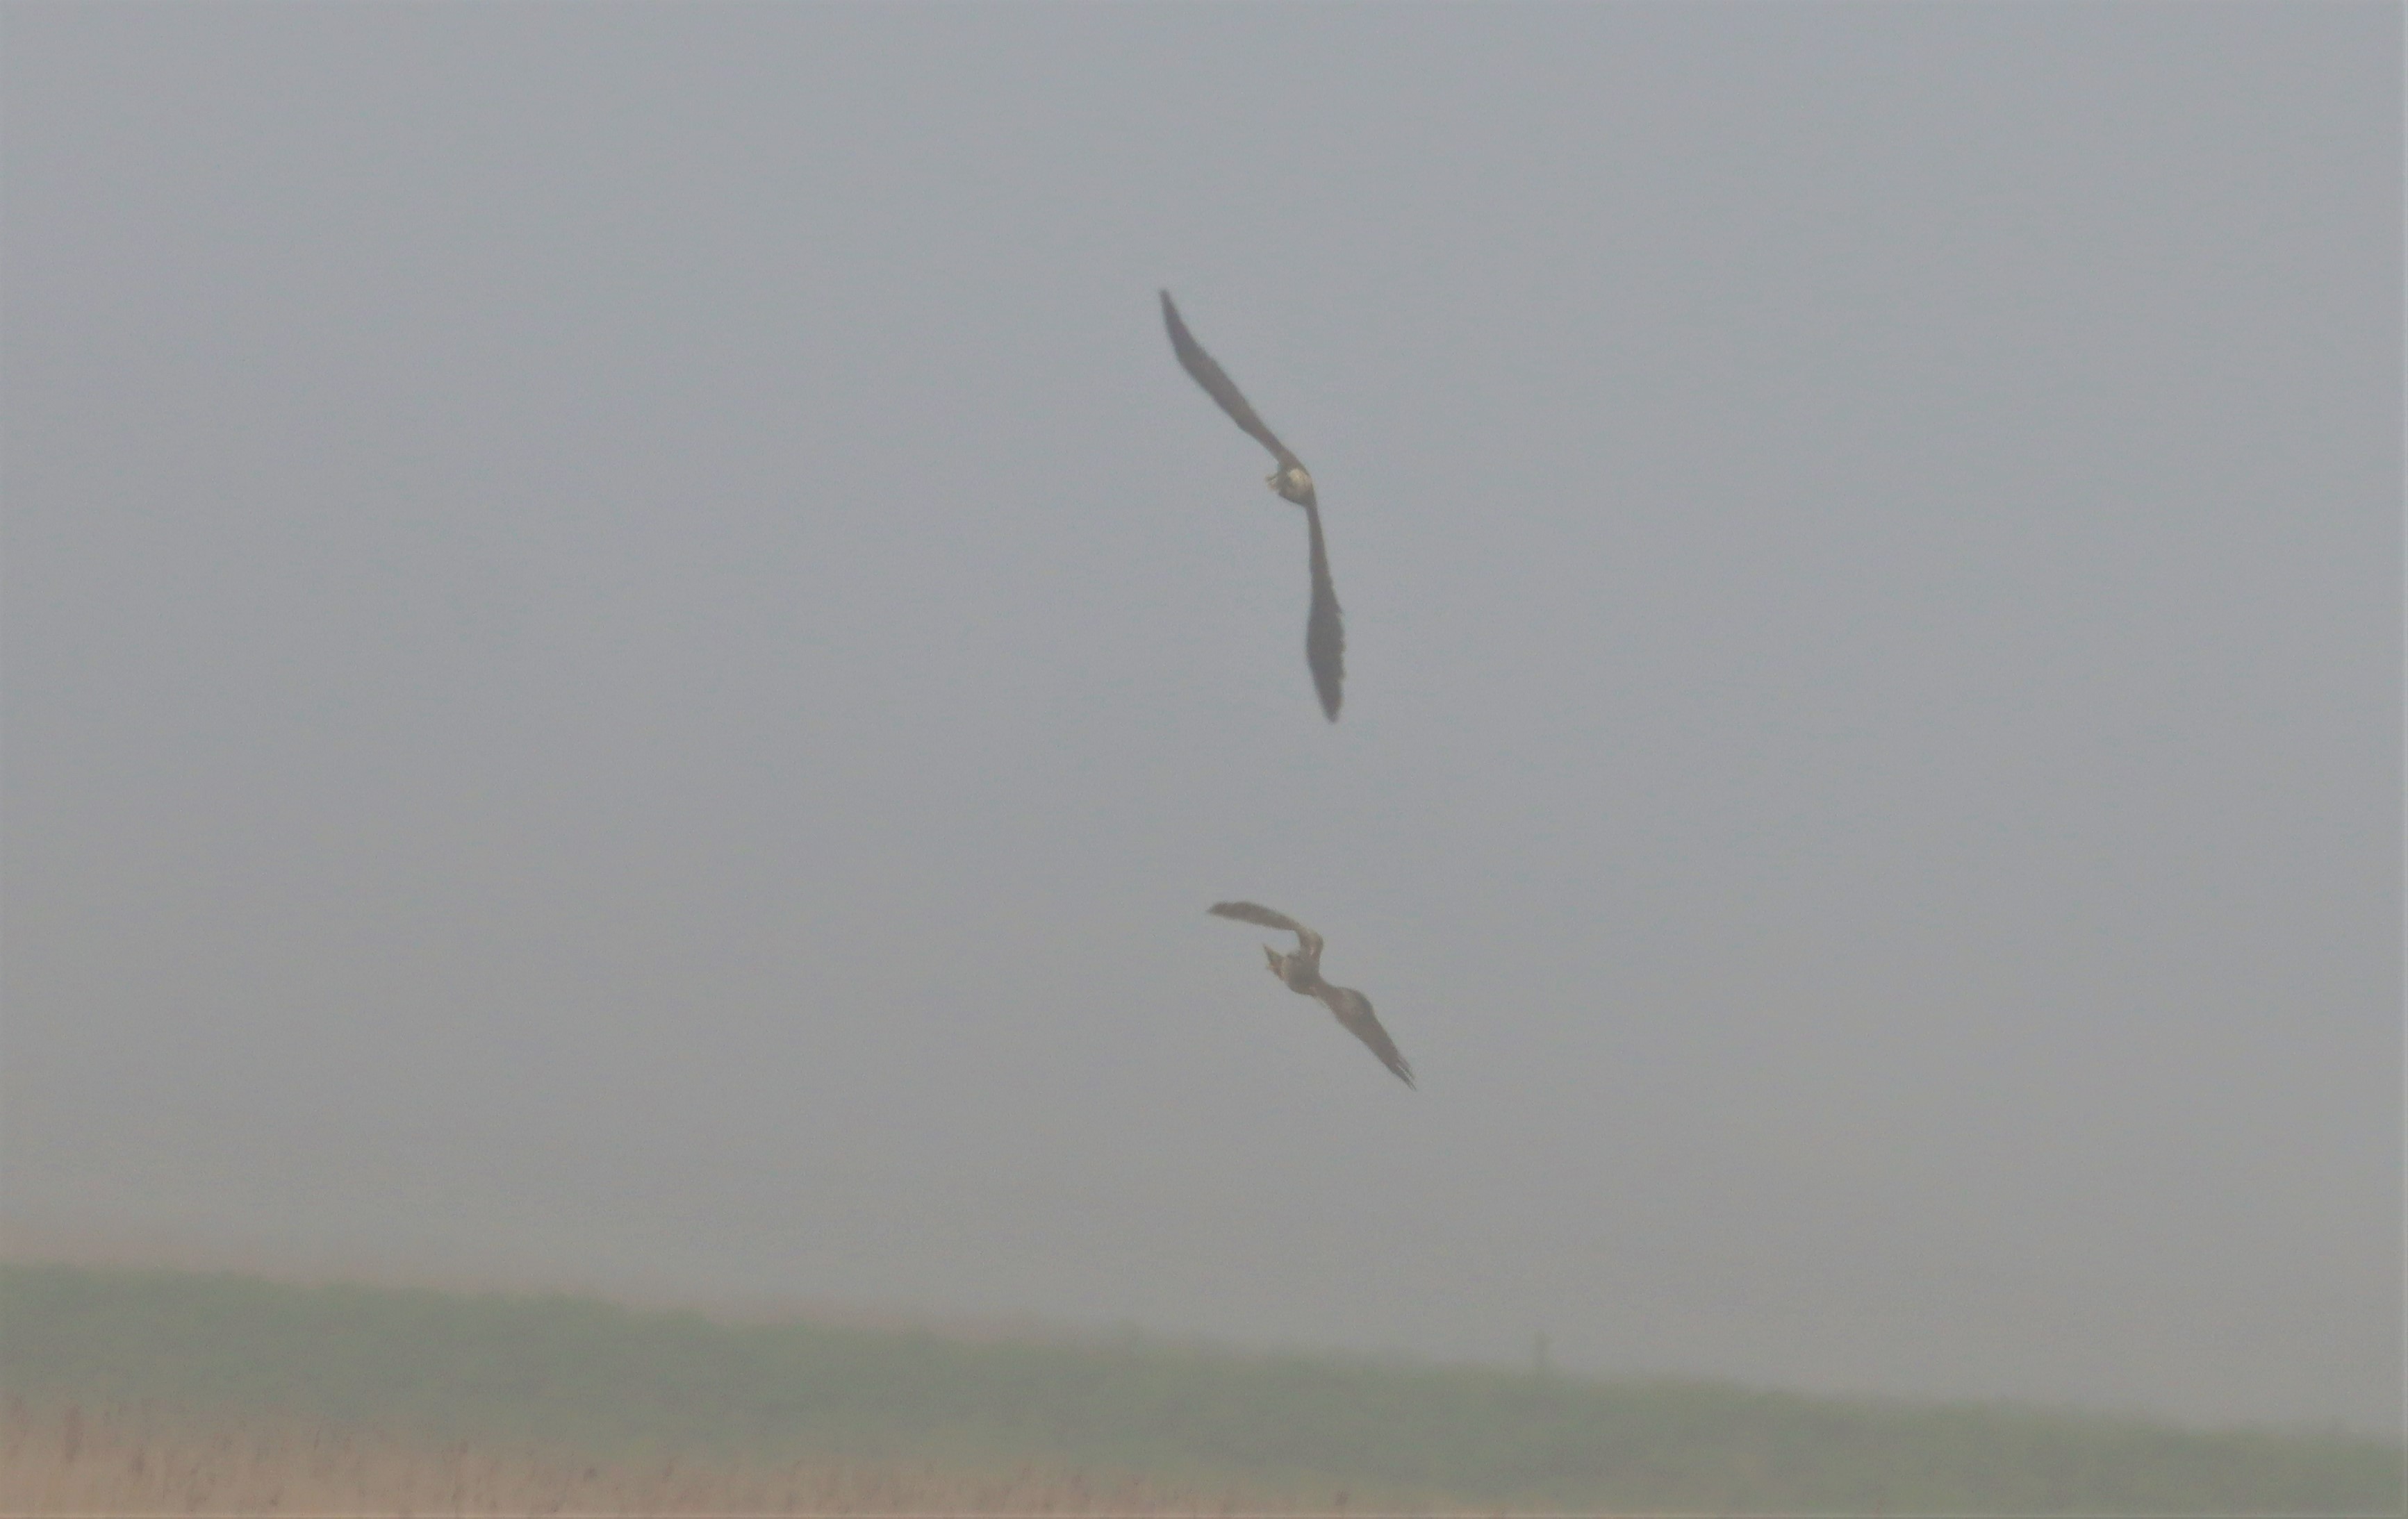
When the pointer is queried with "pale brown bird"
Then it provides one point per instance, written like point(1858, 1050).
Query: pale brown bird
point(1324, 637)
point(1301, 972)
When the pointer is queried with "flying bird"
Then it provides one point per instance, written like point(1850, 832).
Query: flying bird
point(1324, 637)
point(1301, 972)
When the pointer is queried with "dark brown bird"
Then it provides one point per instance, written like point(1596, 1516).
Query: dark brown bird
point(1324, 637)
point(1301, 972)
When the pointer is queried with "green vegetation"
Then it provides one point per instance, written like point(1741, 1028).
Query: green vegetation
point(588, 1375)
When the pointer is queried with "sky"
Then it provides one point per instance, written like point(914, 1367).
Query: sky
point(629, 665)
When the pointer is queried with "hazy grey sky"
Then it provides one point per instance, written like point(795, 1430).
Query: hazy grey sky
point(629, 663)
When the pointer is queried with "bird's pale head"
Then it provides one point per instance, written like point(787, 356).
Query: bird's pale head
point(1279, 962)
point(1295, 483)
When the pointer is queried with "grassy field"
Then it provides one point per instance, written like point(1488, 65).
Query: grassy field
point(529, 1403)
point(124, 1461)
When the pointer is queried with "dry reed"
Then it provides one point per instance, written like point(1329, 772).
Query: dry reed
point(144, 1461)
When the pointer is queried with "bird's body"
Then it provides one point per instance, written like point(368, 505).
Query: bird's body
point(1325, 634)
point(1299, 970)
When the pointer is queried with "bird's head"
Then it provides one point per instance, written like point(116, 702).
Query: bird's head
point(1279, 962)
point(1293, 482)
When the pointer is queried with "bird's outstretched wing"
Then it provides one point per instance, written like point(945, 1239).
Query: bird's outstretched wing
point(1253, 913)
point(1216, 384)
point(1325, 635)
point(1354, 1009)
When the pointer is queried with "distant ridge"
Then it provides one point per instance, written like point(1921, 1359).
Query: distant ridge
point(578, 1372)
point(48, 1244)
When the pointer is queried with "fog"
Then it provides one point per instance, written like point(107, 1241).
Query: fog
point(629, 665)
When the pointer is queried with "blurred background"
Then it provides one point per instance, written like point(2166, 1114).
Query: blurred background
point(629, 665)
